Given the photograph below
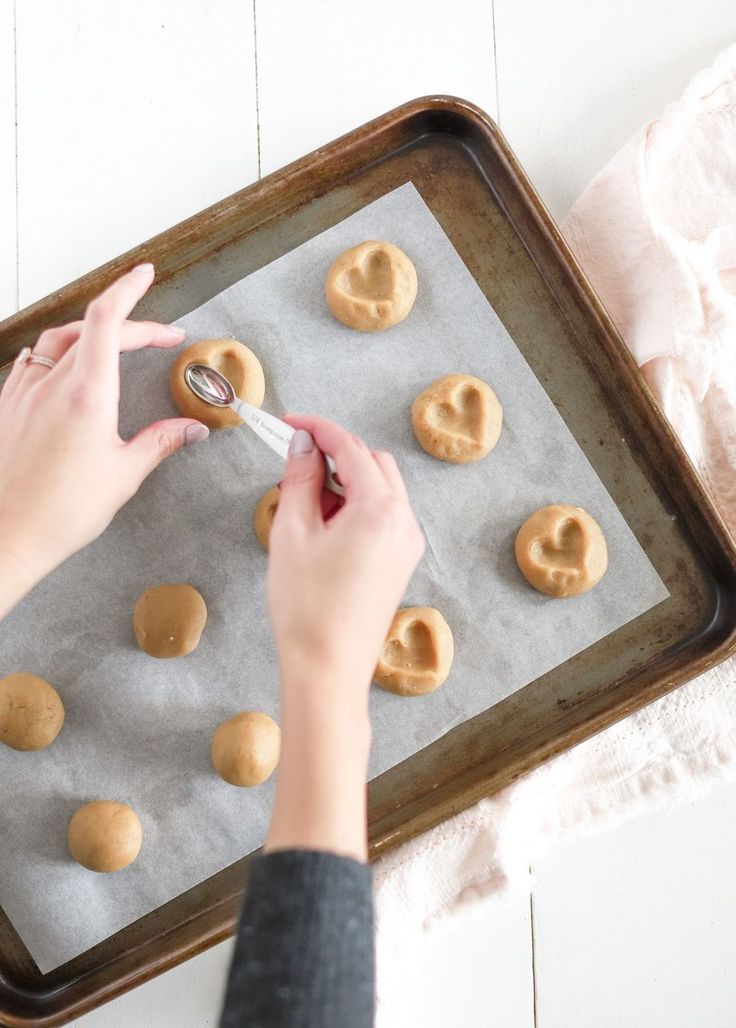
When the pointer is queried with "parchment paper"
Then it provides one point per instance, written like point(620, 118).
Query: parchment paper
point(139, 729)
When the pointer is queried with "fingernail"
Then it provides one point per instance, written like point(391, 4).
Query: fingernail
point(144, 269)
point(177, 329)
point(301, 443)
point(195, 433)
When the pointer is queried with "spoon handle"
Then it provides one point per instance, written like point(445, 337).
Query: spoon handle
point(277, 434)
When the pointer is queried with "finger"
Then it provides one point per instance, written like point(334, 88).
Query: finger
point(134, 335)
point(356, 469)
point(158, 441)
point(137, 335)
point(15, 377)
point(301, 487)
point(54, 342)
point(330, 503)
point(26, 375)
point(391, 473)
point(99, 341)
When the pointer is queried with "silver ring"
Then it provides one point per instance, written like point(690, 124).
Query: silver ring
point(38, 358)
point(27, 356)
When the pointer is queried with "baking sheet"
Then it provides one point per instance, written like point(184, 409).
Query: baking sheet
point(138, 729)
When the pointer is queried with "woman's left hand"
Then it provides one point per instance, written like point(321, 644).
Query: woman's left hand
point(64, 470)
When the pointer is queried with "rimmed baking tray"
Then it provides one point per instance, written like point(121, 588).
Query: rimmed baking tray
point(463, 168)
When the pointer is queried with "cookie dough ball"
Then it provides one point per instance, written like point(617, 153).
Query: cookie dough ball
point(105, 836)
point(457, 419)
point(418, 652)
point(561, 551)
point(168, 620)
point(31, 712)
point(371, 286)
point(264, 514)
point(246, 749)
point(236, 362)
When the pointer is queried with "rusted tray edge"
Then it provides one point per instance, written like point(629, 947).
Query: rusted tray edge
point(81, 290)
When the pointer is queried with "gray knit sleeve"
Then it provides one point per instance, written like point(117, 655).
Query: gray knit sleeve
point(304, 956)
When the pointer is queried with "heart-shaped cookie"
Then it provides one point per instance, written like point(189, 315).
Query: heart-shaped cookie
point(561, 551)
point(371, 278)
point(371, 286)
point(457, 419)
point(417, 655)
point(233, 360)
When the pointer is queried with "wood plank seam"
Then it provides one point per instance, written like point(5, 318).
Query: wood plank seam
point(534, 956)
point(495, 61)
point(15, 139)
point(255, 63)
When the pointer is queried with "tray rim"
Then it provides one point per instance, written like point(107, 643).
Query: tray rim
point(253, 198)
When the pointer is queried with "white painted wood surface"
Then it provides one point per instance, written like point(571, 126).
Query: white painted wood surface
point(575, 80)
point(8, 237)
point(131, 116)
point(635, 929)
point(134, 116)
point(473, 970)
point(326, 66)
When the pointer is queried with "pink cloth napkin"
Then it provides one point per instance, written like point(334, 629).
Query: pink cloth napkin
point(655, 232)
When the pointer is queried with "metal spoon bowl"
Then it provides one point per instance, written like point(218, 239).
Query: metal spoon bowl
point(209, 385)
point(212, 387)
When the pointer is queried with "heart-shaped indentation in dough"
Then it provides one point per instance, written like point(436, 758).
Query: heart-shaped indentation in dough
point(417, 655)
point(372, 279)
point(565, 552)
point(229, 364)
point(457, 418)
point(415, 651)
point(561, 550)
point(463, 415)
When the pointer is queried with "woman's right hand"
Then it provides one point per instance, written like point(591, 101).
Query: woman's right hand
point(336, 575)
point(334, 584)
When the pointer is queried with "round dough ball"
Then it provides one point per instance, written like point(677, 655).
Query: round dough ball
point(236, 362)
point(417, 655)
point(31, 712)
point(457, 419)
point(561, 551)
point(246, 749)
point(105, 836)
point(264, 514)
point(371, 286)
point(168, 620)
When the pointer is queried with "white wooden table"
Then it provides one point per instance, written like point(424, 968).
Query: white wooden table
point(120, 119)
